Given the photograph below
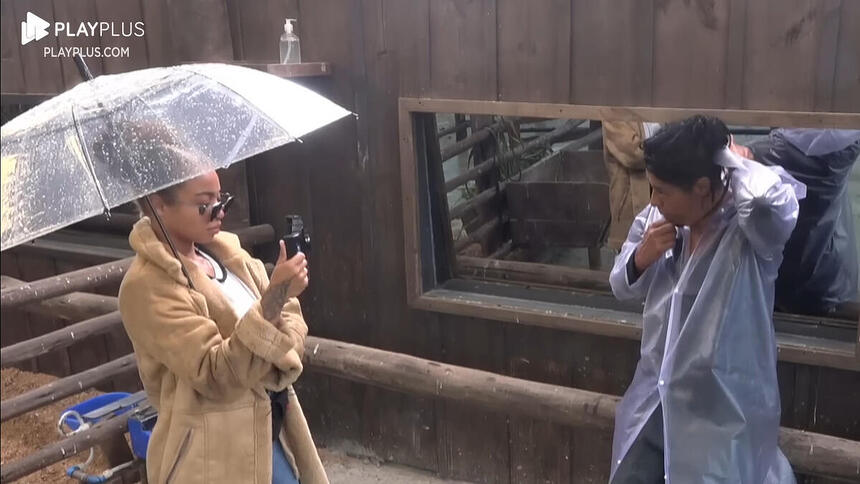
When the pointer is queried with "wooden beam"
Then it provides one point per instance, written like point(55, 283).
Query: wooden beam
point(478, 200)
point(292, 71)
point(76, 306)
point(475, 138)
point(50, 287)
point(110, 272)
point(531, 272)
point(31, 99)
point(452, 129)
point(502, 251)
point(61, 338)
point(481, 234)
point(65, 387)
point(541, 141)
point(747, 117)
point(809, 453)
point(58, 451)
point(118, 222)
point(612, 323)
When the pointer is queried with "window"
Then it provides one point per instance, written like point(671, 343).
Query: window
point(507, 216)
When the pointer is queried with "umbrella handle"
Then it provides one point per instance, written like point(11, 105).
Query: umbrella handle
point(82, 67)
point(169, 241)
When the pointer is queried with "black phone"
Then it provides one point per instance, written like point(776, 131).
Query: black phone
point(296, 239)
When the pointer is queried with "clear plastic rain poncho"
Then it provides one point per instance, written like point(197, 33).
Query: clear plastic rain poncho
point(708, 354)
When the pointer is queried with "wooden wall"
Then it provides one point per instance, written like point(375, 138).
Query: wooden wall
point(345, 180)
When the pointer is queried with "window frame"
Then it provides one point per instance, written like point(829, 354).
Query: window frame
point(428, 246)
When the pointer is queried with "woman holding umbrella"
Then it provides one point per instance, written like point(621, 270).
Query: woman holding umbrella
point(213, 335)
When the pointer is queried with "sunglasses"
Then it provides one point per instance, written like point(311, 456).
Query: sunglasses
point(222, 205)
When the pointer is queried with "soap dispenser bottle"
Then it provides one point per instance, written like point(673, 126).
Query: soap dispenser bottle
point(290, 49)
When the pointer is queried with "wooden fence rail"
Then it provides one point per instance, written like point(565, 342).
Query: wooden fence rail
point(810, 453)
point(91, 277)
point(65, 387)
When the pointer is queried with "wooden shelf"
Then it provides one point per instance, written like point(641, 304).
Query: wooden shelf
point(290, 71)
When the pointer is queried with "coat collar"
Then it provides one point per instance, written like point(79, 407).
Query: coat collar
point(225, 247)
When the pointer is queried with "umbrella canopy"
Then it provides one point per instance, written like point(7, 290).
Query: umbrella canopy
point(116, 138)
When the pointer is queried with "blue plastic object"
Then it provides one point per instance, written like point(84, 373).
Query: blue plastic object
point(140, 429)
point(94, 403)
point(75, 472)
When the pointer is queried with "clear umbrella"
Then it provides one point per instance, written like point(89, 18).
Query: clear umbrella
point(119, 137)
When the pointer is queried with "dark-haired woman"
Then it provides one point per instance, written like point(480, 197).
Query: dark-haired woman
point(704, 402)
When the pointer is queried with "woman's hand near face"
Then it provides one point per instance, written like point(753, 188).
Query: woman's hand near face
point(659, 238)
point(289, 279)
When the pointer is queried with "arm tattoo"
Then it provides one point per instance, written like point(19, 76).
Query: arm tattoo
point(273, 301)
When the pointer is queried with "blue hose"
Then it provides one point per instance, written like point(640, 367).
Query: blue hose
point(75, 472)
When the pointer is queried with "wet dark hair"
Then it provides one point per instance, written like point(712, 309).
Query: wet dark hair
point(682, 152)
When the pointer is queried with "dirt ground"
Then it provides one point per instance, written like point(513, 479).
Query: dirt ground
point(23, 435)
point(344, 469)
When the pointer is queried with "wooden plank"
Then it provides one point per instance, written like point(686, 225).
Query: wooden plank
point(610, 322)
point(846, 82)
point(11, 72)
point(261, 26)
point(825, 57)
point(292, 71)
point(121, 12)
point(76, 306)
point(540, 450)
point(809, 452)
point(64, 387)
point(20, 329)
point(68, 447)
point(553, 233)
point(612, 52)
point(74, 13)
point(752, 117)
point(604, 365)
point(533, 51)
point(562, 200)
point(735, 53)
point(92, 352)
point(48, 287)
point(475, 442)
point(409, 190)
point(782, 45)
point(394, 53)
point(62, 338)
point(690, 73)
point(41, 74)
point(210, 42)
point(531, 272)
point(104, 274)
point(836, 398)
point(463, 49)
point(337, 200)
point(158, 37)
point(34, 268)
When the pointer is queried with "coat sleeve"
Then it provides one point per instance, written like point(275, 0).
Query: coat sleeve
point(291, 323)
point(622, 286)
point(766, 199)
point(164, 320)
point(623, 140)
